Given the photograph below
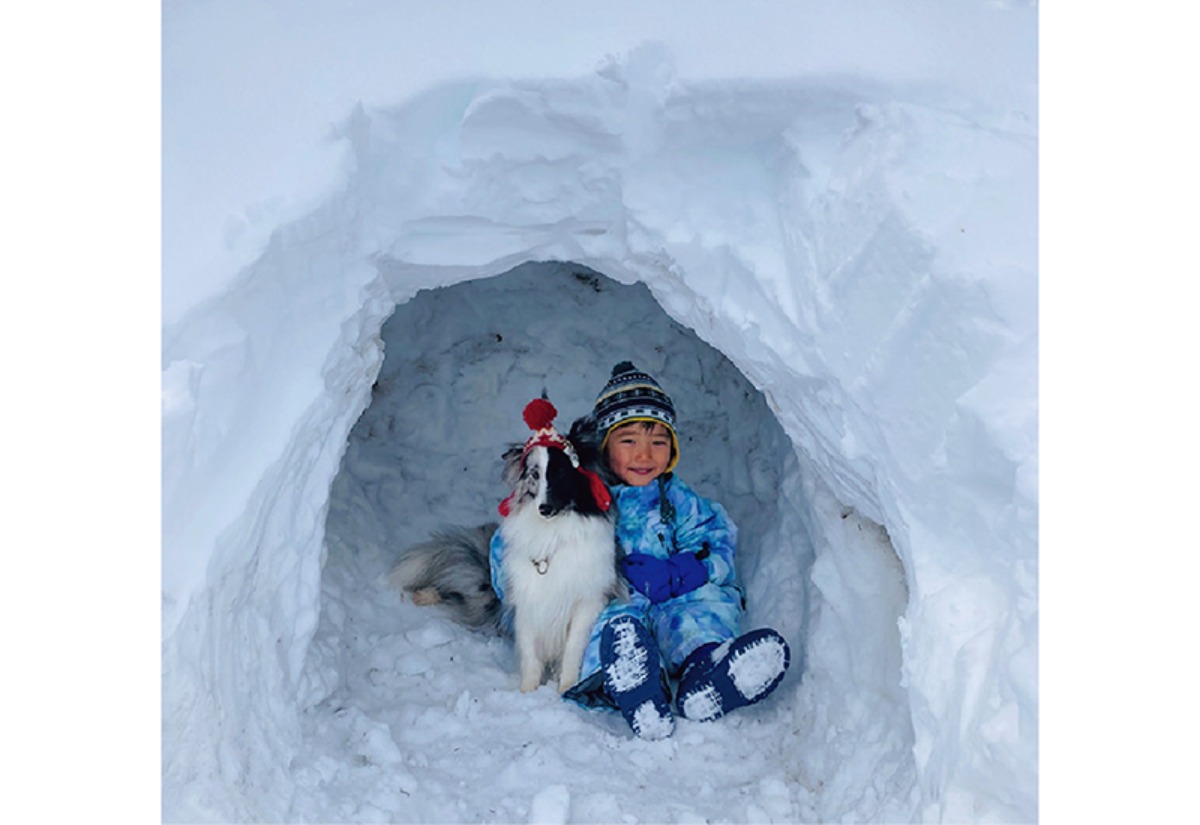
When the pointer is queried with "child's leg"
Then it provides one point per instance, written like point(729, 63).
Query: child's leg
point(716, 679)
point(622, 669)
point(682, 626)
point(590, 667)
point(718, 670)
point(635, 679)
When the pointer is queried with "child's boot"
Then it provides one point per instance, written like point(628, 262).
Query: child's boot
point(716, 679)
point(634, 678)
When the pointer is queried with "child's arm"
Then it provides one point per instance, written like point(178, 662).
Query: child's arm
point(495, 557)
point(704, 528)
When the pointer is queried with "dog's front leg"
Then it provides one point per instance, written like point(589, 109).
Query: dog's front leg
point(531, 664)
point(579, 632)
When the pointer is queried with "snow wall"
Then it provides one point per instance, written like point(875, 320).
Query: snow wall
point(867, 262)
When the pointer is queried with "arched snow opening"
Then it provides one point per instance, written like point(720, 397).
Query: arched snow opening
point(460, 364)
point(813, 235)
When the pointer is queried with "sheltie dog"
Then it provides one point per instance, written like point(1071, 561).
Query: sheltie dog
point(559, 567)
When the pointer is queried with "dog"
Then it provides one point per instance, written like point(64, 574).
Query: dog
point(560, 565)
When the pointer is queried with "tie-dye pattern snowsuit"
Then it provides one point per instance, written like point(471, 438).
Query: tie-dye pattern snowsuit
point(682, 522)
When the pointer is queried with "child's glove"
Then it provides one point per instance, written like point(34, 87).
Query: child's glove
point(687, 573)
point(661, 579)
point(649, 575)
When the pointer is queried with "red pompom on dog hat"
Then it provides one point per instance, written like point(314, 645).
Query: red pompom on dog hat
point(539, 416)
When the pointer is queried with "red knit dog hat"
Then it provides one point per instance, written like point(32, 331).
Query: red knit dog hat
point(539, 416)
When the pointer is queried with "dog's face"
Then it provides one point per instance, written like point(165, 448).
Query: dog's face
point(545, 478)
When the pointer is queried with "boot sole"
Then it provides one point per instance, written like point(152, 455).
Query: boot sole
point(747, 674)
point(630, 682)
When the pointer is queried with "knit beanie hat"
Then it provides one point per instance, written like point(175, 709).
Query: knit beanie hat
point(633, 395)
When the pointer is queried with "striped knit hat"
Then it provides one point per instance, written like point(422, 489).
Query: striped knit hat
point(633, 395)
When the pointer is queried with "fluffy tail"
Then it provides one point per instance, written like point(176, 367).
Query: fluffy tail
point(451, 569)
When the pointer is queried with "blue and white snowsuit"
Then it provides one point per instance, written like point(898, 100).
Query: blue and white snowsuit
point(662, 519)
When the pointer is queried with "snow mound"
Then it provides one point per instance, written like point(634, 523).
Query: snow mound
point(863, 257)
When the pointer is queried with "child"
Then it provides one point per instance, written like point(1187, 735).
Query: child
point(681, 622)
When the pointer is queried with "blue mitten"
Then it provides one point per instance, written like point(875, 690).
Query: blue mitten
point(686, 574)
point(649, 575)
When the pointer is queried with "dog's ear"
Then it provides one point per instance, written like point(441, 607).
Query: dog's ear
point(513, 459)
point(585, 437)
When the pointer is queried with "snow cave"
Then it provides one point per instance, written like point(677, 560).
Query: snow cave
point(838, 288)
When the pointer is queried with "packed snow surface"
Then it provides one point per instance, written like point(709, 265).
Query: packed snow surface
point(835, 277)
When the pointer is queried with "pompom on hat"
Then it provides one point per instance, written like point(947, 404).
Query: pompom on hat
point(539, 416)
point(633, 395)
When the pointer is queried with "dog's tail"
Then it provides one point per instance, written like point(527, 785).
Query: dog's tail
point(452, 569)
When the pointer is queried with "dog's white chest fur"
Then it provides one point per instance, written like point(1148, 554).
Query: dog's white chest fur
point(559, 573)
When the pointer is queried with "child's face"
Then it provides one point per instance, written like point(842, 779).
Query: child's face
point(639, 454)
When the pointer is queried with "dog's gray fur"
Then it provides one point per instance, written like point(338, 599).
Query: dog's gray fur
point(452, 569)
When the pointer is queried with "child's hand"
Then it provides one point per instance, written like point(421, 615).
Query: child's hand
point(649, 575)
point(662, 579)
point(687, 573)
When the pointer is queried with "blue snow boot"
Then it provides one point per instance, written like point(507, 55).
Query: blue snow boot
point(634, 678)
point(716, 679)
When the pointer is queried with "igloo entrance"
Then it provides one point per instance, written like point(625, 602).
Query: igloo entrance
point(411, 709)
